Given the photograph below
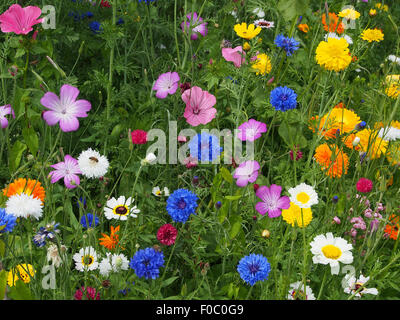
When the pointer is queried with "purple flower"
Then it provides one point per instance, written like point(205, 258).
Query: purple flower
point(246, 172)
point(167, 83)
point(197, 25)
point(69, 170)
point(66, 109)
point(272, 202)
point(251, 130)
point(5, 110)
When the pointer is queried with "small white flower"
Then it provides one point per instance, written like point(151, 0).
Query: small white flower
point(119, 262)
point(356, 141)
point(158, 193)
point(354, 284)
point(303, 195)
point(327, 249)
point(92, 164)
point(105, 265)
point(54, 256)
point(259, 12)
point(24, 206)
point(394, 59)
point(150, 158)
point(389, 133)
point(297, 292)
point(86, 259)
point(120, 208)
point(336, 36)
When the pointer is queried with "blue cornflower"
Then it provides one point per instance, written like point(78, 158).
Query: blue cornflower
point(147, 263)
point(89, 220)
point(89, 14)
point(120, 21)
point(181, 204)
point(95, 26)
point(7, 221)
point(81, 202)
point(204, 147)
point(283, 98)
point(288, 44)
point(253, 268)
point(45, 233)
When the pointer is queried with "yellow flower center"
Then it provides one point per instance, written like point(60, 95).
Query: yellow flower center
point(121, 210)
point(331, 252)
point(87, 260)
point(303, 197)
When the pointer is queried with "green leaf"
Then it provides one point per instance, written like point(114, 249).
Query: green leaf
point(20, 291)
point(232, 198)
point(226, 175)
point(168, 281)
point(3, 283)
point(2, 249)
point(292, 134)
point(291, 8)
point(31, 139)
point(236, 225)
point(15, 155)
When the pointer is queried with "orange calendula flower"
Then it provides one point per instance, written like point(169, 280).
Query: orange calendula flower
point(303, 27)
point(392, 228)
point(110, 241)
point(30, 187)
point(332, 160)
point(333, 24)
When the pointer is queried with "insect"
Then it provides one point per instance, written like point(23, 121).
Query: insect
point(94, 159)
point(264, 24)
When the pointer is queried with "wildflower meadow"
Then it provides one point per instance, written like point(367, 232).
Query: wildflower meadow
point(199, 150)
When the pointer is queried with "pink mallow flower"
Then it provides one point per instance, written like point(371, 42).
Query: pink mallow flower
point(272, 202)
point(235, 55)
point(251, 130)
point(20, 20)
point(196, 24)
point(69, 170)
point(246, 172)
point(167, 83)
point(65, 110)
point(5, 110)
point(199, 106)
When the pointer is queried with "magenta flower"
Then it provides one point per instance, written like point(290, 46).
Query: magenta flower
point(235, 55)
point(5, 110)
point(272, 202)
point(167, 83)
point(65, 110)
point(20, 20)
point(251, 130)
point(69, 170)
point(246, 172)
point(199, 106)
point(196, 24)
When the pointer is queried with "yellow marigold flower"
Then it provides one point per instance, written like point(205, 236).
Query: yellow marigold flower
point(304, 27)
point(22, 271)
point(393, 85)
point(372, 35)
point(393, 153)
point(246, 46)
point(332, 160)
point(372, 12)
point(262, 64)
point(333, 54)
point(296, 215)
point(382, 7)
point(246, 32)
point(371, 143)
point(349, 14)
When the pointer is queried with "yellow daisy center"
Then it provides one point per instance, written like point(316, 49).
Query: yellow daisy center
point(303, 197)
point(121, 210)
point(331, 252)
point(87, 260)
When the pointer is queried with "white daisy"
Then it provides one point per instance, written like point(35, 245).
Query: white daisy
point(105, 265)
point(158, 193)
point(331, 250)
point(86, 259)
point(119, 262)
point(120, 209)
point(354, 284)
point(303, 195)
point(297, 292)
point(24, 206)
point(92, 164)
point(336, 36)
point(389, 133)
point(264, 24)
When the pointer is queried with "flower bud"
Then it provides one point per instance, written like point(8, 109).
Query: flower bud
point(265, 233)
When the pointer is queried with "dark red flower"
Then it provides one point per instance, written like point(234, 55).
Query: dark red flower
point(105, 4)
point(167, 234)
point(296, 152)
point(139, 136)
point(90, 294)
point(364, 185)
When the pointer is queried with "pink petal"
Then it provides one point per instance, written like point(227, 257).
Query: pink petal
point(70, 124)
point(68, 94)
point(51, 117)
point(51, 101)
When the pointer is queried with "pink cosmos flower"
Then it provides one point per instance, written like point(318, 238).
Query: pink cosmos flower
point(235, 55)
point(272, 202)
point(197, 25)
point(251, 130)
point(66, 109)
point(69, 170)
point(246, 172)
point(167, 83)
point(20, 20)
point(199, 106)
point(5, 110)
